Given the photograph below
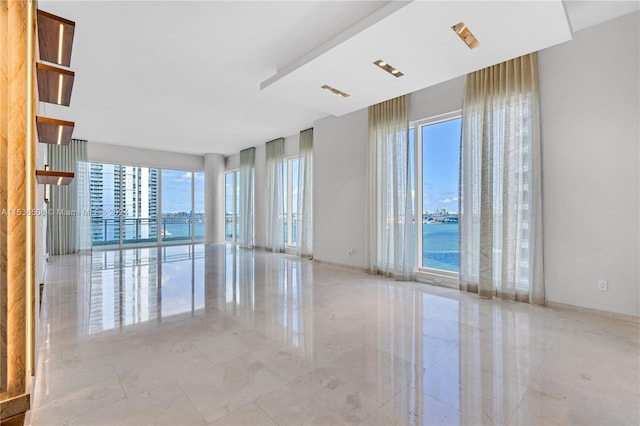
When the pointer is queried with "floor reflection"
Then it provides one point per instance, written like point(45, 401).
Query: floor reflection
point(276, 303)
point(133, 286)
point(222, 334)
point(128, 287)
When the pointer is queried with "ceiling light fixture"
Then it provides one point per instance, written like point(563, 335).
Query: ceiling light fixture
point(465, 35)
point(60, 42)
point(60, 81)
point(336, 91)
point(59, 141)
point(388, 68)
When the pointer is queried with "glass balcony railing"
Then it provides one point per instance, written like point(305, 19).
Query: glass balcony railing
point(107, 231)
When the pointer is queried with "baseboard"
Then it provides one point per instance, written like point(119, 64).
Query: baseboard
point(598, 312)
point(341, 265)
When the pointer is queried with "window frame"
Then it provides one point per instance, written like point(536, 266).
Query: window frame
point(435, 276)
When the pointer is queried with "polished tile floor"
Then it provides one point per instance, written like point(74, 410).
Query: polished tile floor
point(218, 335)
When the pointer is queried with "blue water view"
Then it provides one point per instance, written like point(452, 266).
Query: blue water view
point(440, 246)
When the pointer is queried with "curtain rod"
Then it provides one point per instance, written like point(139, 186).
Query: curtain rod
point(247, 149)
point(305, 130)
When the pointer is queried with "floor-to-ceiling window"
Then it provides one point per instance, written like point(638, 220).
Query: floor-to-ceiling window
point(232, 206)
point(198, 205)
point(139, 204)
point(105, 203)
point(177, 205)
point(290, 200)
point(142, 205)
point(437, 153)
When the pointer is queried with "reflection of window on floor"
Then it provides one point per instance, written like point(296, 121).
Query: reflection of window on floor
point(437, 152)
point(127, 206)
point(287, 317)
point(288, 313)
point(134, 286)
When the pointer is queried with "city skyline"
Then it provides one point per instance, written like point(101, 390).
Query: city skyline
point(440, 165)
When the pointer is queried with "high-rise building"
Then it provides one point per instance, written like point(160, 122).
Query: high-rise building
point(123, 193)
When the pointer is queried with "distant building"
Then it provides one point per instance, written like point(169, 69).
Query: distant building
point(139, 202)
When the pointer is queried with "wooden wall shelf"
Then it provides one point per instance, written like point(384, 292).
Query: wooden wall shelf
point(54, 84)
point(55, 38)
point(49, 177)
point(54, 131)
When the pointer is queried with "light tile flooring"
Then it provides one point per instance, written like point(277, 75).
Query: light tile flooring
point(193, 335)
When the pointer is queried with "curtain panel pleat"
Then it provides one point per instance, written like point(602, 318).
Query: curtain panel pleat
point(304, 230)
point(69, 217)
point(500, 183)
point(390, 237)
point(247, 170)
point(274, 163)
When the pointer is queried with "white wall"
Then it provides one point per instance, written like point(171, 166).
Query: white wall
point(590, 136)
point(589, 97)
point(339, 158)
point(118, 154)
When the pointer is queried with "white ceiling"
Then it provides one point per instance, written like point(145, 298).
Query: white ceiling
point(185, 76)
point(418, 40)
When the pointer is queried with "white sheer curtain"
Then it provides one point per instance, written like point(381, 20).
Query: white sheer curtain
point(275, 195)
point(247, 167)
point(500, 189)
point(389, 191)
point(304, 227)
point(69, 218)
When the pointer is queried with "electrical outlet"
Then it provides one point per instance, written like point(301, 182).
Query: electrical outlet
point(603, 285)
point(350, 251)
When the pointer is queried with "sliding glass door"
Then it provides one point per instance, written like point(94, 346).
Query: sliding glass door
point(105, 203)
point(232, 206)
point(198, 206)
point(142, 205)
point(437, 150)
point(139, 204)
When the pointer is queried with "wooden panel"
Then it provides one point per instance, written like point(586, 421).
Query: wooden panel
point(54, 131)
point(54, 84)
point(49, 177)
point(55, 38)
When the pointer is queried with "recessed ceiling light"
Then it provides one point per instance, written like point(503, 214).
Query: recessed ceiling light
point(336, 91)
point(465, 35)
point(388, 68)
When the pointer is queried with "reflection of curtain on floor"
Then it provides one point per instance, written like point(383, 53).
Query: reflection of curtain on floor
point(500, 190)
point(496, 356)
point(274, 163)
point(389, 191)
point(247, 164)
point(69, 218)
point(305, 195)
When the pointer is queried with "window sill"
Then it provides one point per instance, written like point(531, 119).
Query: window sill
point(439, 278)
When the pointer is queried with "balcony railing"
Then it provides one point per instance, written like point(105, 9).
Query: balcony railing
point(106, 231)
